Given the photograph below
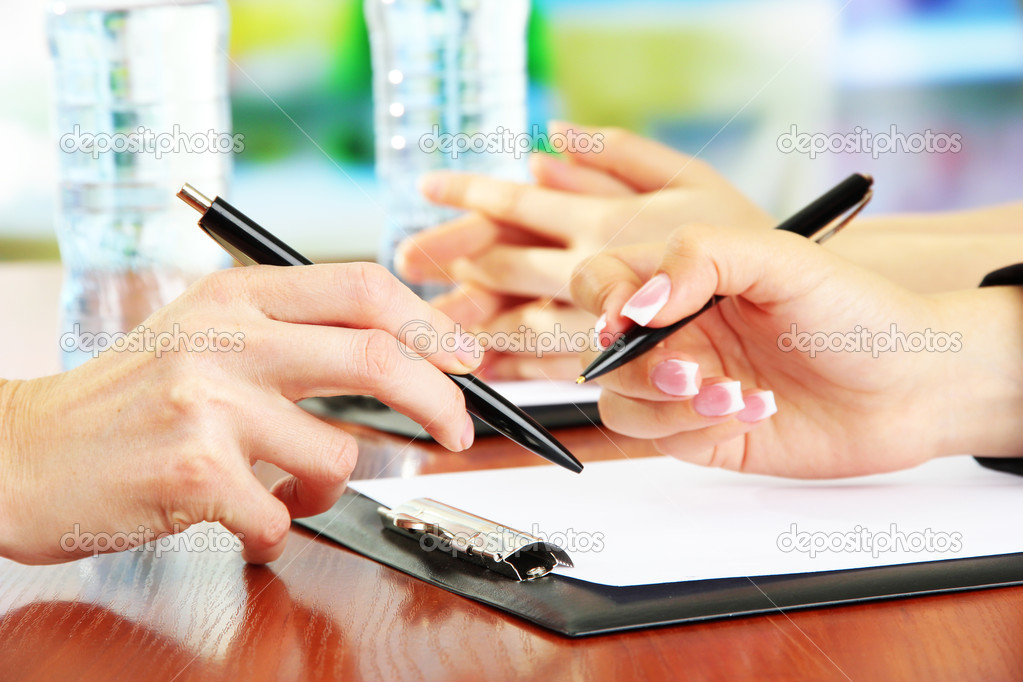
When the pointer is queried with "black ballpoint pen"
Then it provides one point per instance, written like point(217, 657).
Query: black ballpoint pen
point(852, 193)
point(251, 244)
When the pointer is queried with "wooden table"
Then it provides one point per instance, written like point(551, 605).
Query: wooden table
point(323, 612)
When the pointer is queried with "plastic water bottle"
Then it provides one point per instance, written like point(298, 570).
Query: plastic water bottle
point(449, 92)
point(140, 108)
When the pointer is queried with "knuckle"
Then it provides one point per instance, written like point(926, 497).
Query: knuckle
point(583, 282)
point(223, 286)
point(506, 199)
point(685, 243)
point(666, 415)
point(195, 475)
point(369, 286)
point(665, 446)
point(339, 459)
point(681, 239)
point(190, 395)
point(605, 290)
point(377, 359)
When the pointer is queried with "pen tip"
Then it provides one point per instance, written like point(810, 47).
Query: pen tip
point(580, 380)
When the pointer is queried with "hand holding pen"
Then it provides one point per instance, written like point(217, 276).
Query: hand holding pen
point(251, 244)
point(753, 383)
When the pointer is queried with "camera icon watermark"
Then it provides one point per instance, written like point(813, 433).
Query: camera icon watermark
point(862, 141)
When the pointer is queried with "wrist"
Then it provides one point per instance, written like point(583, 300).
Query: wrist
point(11, 489)
point(981, 385)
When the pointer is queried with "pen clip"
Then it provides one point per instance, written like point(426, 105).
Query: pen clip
point(846, 220)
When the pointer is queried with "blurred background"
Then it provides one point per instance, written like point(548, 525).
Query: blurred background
point(723, 80)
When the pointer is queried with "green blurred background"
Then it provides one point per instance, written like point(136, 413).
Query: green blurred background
point(719, 79)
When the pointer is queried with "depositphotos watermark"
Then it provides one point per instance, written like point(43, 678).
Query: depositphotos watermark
point(862, 340)
point(505, 141)
point(504, 539)
point(862, 141)
point(145, 141)
point(144, 340)
point(418, 339)
point(860, 540)
point(212, 539)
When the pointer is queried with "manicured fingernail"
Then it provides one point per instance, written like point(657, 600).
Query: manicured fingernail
point(431, 185)
point(759, 405)
point(676, 377)
point(468, 351)
point(468, 433)
point(717, 400)
point(599, 326)
point(649, 300)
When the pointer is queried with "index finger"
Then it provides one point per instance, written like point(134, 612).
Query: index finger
point(542, 211)
point(353, 295)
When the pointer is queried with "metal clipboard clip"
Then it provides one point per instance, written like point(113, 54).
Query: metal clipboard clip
point(439, 527)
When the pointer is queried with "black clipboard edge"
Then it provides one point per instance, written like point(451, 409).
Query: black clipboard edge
point(576, 608)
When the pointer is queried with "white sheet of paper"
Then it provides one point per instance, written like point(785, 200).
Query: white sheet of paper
point(654, 520)
point(543, 392)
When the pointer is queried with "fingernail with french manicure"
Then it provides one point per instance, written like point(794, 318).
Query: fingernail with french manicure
point(717, 400)
point(648, 301)
point(759, 405)
point(676, 377)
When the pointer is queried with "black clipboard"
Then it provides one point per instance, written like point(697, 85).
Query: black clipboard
point(577, 608)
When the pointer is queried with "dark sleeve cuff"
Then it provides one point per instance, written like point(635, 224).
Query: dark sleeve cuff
point(1008, 276)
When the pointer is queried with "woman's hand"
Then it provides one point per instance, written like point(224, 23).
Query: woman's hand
point(524, 240)
point(163, 437)
point(512, 255)
point(816, 337)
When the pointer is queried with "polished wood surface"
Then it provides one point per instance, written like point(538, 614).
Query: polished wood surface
point(323, 612)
